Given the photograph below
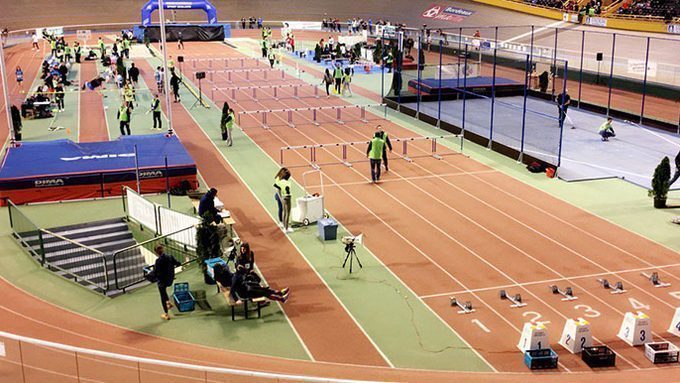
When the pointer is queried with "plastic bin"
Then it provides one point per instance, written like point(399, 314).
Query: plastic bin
point(598, 356)
point(183, 299)
point(328, 229)
point(540, 359)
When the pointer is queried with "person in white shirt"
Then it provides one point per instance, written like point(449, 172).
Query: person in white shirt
point(35, 40)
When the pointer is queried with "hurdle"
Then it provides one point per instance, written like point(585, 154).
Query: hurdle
point(252, 91)
point(465, 307)
point(245, 72)
point(567, 293)
point(654, 278)
point(616, 288)
point(516, 299)
point(227, 62)
point(314, 111)
point(345, 145)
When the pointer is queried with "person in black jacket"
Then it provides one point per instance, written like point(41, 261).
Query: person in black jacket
point(243, 286)
point(164, 270)
point(133, 73)
point(174, 84)
point(207, 205)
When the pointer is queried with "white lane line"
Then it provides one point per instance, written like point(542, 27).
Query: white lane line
point(541, 29)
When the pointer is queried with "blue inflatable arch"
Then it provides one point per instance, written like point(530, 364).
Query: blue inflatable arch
point(205, 5)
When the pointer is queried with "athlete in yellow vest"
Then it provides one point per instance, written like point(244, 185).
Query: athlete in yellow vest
point(374, 154)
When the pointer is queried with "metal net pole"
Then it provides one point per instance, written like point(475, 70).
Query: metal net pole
point(166, 79)
point(5, 93)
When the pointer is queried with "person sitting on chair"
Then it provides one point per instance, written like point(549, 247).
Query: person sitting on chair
point(244, 286)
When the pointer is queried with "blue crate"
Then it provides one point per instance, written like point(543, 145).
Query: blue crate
point(540, 359)
point(183, 299)
point(328, 229)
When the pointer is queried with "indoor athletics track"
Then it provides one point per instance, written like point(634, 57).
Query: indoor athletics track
point(497, 233)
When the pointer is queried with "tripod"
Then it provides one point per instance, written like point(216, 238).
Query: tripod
point(351, 255)
point(199, 101)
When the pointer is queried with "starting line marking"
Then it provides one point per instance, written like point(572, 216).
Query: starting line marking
point(481, 325)
point(482, 289)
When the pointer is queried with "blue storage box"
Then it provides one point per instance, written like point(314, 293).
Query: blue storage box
point(540, 359)
point(328, 229)
point(183, 298)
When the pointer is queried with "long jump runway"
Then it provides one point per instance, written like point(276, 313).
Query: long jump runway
point(456, 227)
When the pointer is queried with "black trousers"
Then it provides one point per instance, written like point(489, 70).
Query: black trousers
point(60, 102)
point(338, 83)
point(328, 87)
point(375, 170)
point(124, 127)
point(563, 113)
point(157, 120)
point(162, 289)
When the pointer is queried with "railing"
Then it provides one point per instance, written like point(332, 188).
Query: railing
point(36, 239)
point(25, 231)
point(31, 360)
point(174, 244)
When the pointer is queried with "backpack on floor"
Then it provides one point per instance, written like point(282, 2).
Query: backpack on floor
point(536, 167)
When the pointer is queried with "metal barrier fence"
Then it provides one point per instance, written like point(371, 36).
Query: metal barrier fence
point(632, 77)
point(54, 251)
point(31, 360)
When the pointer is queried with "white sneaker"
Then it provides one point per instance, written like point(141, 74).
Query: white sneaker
point(289, 230)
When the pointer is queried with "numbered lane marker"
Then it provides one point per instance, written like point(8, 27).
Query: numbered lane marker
point(636, 329)
point(576, 335)
point(534, 337)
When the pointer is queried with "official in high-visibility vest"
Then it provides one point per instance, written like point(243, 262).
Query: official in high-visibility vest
point(265, 47)
point(271, 55)
point(283, 188)
point(53, 46)
point(374, 154)
point(124, 113)
point(67, 53)
point(156, 111)
point(102, 46)
point(337, 75)
point(129, 95)
point(126, 48)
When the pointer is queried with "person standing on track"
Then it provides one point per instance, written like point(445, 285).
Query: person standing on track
point(133, 74)
point(124, 114)
point(20, 77)
point(227, 123)
point(388, 145)
point(283, 187)
point(102, 47)
point(328, 81)
point(347, 81)
point(59, 96)
point(337, 75)
point(34, 44)
point(77, 50)
point(180, 40)
point(279, 204)
point(374, 154)
point(159, 76)
point(174, 83)
point(271, 55)
point(156, 111)
point(164, 272)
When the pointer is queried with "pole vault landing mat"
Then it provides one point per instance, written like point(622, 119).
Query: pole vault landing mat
point(479, 85)
point(64, 170)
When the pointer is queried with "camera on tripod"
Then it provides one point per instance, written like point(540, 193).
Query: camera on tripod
point(350, 249)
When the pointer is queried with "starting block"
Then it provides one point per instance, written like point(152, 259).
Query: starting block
point(616, 289)
point(576, 335)
point(636, 329)
point(654, 278)
point(567, 293)
point(516, 299)
point(534, 337)
point(465, 308)
point(675, 323)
